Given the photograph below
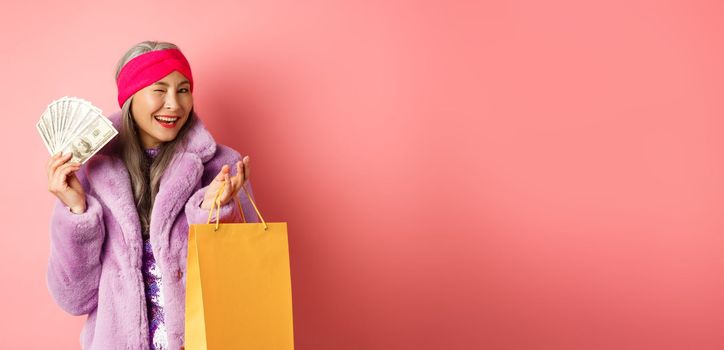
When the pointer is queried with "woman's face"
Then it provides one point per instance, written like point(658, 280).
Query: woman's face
point(169, 97)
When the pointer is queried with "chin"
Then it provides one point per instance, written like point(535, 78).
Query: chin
point(167, 138)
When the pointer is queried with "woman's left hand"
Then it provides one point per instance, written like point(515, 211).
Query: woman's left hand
point(232, 184)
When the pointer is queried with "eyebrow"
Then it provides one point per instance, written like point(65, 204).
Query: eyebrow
point(166, 84)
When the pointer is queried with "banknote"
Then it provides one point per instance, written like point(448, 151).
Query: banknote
point(74, 125)
point(95, 134)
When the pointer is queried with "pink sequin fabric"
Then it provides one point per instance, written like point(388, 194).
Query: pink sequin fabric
point(157, 335)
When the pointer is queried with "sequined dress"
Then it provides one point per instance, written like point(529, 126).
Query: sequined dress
point(157, 335)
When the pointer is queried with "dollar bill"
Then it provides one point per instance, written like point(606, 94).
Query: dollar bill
point(95, 134)
point(44, 135)
point(74, 125)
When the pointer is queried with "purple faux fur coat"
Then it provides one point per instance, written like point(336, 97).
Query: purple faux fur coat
point(94, 266)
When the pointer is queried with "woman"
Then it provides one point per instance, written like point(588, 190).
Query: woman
point(120, 225)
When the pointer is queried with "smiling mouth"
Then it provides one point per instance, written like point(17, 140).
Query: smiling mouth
point(167, 121)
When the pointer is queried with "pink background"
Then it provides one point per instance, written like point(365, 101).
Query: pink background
point(455, 175)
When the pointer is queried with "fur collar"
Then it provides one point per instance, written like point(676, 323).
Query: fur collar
point(110, 181)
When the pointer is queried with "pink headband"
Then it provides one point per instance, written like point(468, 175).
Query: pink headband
point(149, 68)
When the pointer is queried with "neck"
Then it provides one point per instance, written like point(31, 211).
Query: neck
point(148, 142)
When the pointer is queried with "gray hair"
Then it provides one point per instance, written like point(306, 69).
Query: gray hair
point(146, 174)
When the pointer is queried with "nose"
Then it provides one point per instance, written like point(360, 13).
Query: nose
point(171, 101)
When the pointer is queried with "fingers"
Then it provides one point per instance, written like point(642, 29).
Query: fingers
point(224, 195)
point(68, 167)
point(216, 184)
point(239, 177)
point(58, 178)
point(64, 171)
point(52, 158)
point(245, 166)
point(242, 169)
point(239, 168)
point(56, 161)
point(232, 184)
point(222, 173)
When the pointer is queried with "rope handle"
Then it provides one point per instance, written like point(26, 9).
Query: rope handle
point(217, 204)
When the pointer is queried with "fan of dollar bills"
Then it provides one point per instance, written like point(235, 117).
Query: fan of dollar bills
point(72, 124)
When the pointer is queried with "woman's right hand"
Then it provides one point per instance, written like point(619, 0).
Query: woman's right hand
point(63, 183)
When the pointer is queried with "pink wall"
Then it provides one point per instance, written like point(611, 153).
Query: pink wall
point(455, 175)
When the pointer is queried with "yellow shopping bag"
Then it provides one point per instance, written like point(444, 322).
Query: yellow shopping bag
point(238, 286)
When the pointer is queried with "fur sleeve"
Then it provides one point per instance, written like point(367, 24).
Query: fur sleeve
point(74, 266)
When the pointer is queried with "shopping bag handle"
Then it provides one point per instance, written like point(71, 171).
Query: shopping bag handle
point(217, 204)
